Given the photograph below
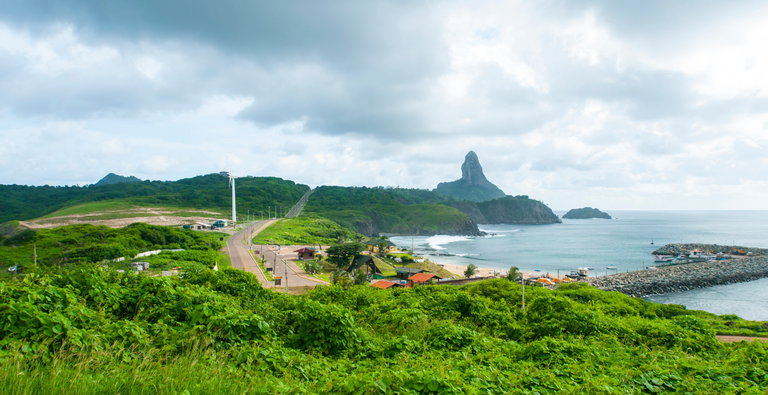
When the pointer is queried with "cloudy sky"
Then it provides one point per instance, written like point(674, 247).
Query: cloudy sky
point(613, 104)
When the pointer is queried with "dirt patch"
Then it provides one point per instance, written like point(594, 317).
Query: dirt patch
point(731, 339)
point(148, 215)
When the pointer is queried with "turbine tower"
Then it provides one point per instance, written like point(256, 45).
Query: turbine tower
point(234, 209)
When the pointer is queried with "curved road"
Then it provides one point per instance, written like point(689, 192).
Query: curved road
point(238, 246)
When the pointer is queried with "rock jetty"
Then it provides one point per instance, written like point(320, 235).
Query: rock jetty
point(685, 277)
point(678, 249)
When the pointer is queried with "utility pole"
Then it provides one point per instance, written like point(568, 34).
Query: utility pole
point(522, 282)
point(35, 252)
point(286, 275)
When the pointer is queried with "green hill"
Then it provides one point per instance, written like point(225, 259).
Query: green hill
point(371, 211)
point(509, 210)
point(21, 202)
point(113, 178)
point(586, 213)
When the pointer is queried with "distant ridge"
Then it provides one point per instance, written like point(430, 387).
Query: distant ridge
point(113, 178)
point(472, 185)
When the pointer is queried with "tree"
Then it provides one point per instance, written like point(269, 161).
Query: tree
point(471, 270)
point(341, 277)
point(342, 255)
point(359, 277)
point(514, 274)
point(312, 267)
point(382, 248)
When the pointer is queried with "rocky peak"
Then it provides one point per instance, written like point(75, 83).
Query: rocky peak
point(472, 185)
point(471, 171)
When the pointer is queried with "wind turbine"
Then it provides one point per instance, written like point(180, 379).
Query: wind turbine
point(234, 210)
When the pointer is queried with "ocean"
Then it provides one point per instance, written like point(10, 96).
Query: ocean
point(624, 241)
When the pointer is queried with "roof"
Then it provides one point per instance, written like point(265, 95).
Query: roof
point(305, 249)
point(408, 270)
point(363, 260)
point(383, 284)
point(421, 278)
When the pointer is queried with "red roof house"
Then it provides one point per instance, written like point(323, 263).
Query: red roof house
point(385, 284)
point(422, 278)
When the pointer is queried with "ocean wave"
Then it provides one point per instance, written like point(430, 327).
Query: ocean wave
point(437, 242)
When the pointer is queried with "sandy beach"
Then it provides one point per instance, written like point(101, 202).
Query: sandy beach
point(481, 271)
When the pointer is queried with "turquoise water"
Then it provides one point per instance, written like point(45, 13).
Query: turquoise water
point(624, 241)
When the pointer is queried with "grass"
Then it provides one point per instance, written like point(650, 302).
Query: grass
point(263, 267)
point(427, 265)
point(225, 260)
point(323, 274)
point(192, 373)
point(303, 231)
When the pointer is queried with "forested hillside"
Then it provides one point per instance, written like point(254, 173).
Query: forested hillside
point(21, 202)
point(371, 211)
point(92, 330)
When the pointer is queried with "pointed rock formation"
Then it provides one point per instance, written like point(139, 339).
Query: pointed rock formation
point(472, 185)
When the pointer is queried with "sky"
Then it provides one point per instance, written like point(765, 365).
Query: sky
point(652, 105)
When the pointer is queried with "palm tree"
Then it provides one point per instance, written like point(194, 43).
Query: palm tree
point(471, 270)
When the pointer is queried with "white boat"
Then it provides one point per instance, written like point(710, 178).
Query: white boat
point(663, 258)
point(611, 267)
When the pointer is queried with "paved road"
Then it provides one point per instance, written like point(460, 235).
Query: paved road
point(296, 276)
point(241, 258)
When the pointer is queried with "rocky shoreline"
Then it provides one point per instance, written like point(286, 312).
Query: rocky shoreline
point(684, 277)
point(685, 248)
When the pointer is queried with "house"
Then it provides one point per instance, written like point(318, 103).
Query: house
point(365, 260)
point(386, 285)
point(373, 245)
point(220, 223)
point(306, 253)
point(423, 278)
point(407, 272)
point(200, 226)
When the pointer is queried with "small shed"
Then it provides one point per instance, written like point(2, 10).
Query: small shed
point(365, 260)
point(423, 278)
point(306, 253)
point(406, 272)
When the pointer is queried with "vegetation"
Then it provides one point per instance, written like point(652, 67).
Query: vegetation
point(76, 244)
point(586, 213)
point(470, 271)
point(303, 230)
point(514, 274)
point(464, 190)
point(341, 255)
point(21, 202)
point(93, 330)
point(373, 210)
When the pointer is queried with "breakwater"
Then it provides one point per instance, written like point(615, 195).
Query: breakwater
point(685, 248)
point(685, 277)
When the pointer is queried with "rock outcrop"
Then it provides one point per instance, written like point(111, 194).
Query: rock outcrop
point(585, 213)
point(113, 178)
point(472, 185)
